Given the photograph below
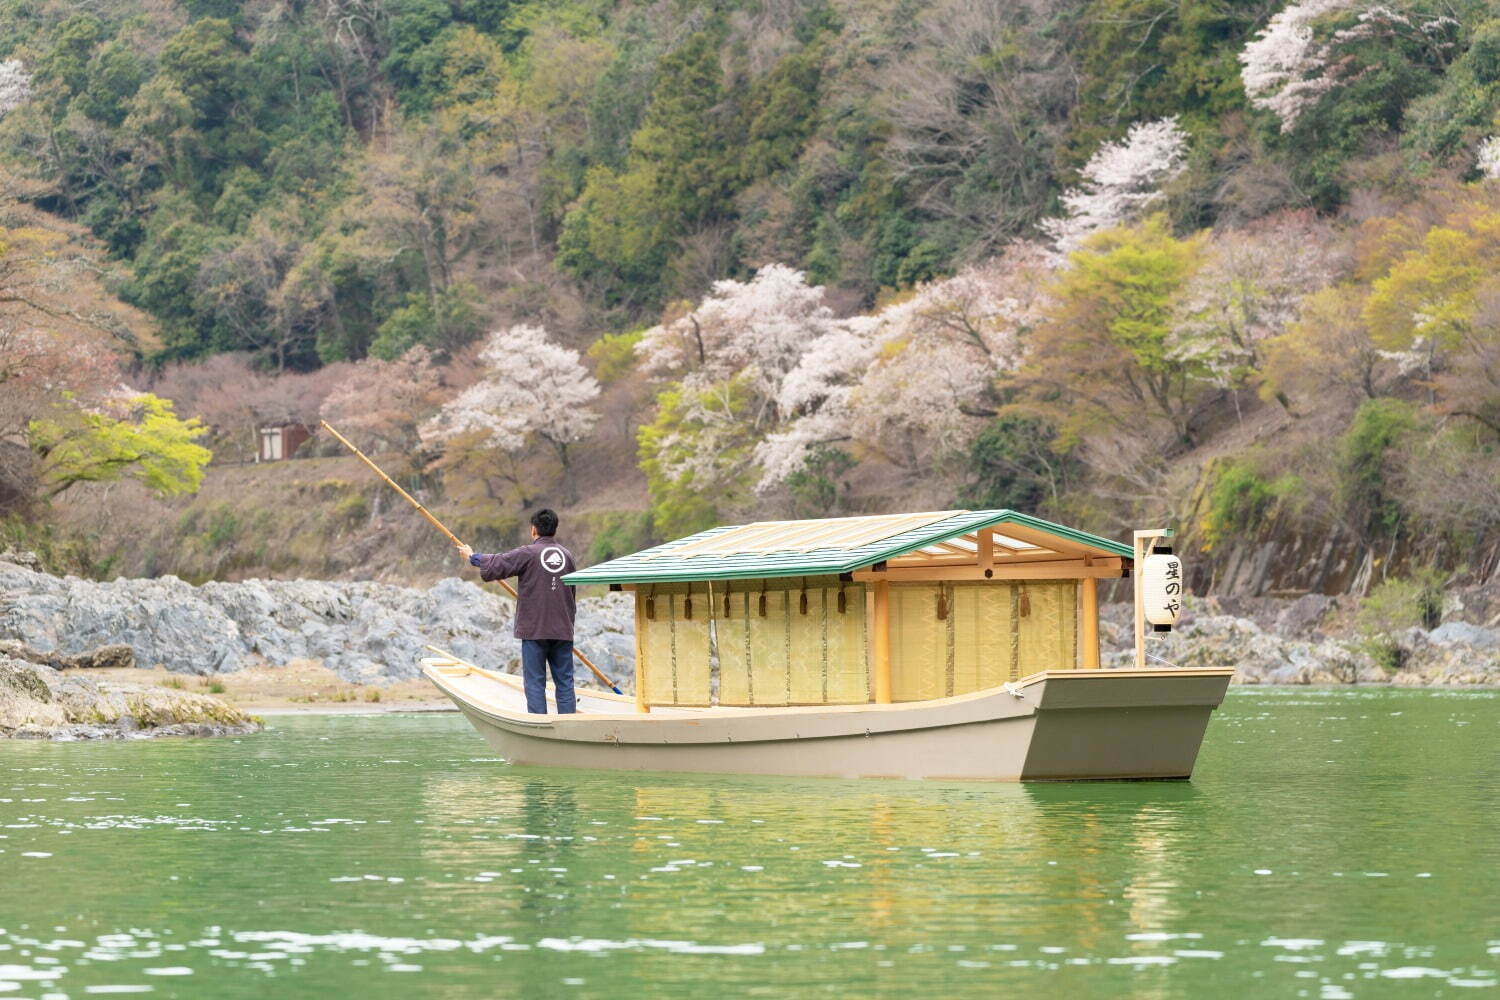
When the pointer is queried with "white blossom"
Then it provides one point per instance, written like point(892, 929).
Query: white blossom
point(15, 85)
point(1249, 288)
point(1120, 181)
point(1282, 68)
point(1286, 69)
point(756, 330)
point(531, 386)
point(910, 380)
point(1488, 161)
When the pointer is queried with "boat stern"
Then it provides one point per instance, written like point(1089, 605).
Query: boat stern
point(1104, 724)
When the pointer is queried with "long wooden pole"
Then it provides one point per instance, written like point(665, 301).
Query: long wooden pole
point(451, 536)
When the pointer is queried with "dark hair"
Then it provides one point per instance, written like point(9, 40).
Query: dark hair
point(545, 522)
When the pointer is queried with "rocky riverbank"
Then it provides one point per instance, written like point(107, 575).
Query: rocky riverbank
point(40, 702)
point(1308, 641)
point(372, 633)
point(364, 632)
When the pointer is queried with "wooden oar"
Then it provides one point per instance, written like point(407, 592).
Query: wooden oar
point(451, 536)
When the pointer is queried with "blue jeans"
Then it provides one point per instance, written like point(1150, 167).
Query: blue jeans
point(536, 656)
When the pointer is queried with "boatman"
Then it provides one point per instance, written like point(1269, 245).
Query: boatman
point(545, 607)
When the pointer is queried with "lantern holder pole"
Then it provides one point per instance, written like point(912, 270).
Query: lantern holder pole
point(1143, 540)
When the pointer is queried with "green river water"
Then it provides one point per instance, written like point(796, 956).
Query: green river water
point(1331, 844)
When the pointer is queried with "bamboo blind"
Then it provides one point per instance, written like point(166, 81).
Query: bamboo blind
point(949, 639)
point(769, 650)
point(946, 639)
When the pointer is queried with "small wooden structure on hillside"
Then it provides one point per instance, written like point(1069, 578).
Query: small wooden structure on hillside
point(280, 441)
point(883, 609)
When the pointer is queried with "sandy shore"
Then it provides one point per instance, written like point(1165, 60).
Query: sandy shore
point(303, 686)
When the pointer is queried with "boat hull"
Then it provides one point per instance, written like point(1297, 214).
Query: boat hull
point(1058, 725)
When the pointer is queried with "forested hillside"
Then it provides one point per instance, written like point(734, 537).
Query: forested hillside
point(1231, 265)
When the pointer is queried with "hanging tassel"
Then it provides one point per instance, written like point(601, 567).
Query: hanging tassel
point(802, 601)
point(687, 607)
point(650, 609)
point(762, 600)
point(843, 602)
point(1024, 605)
point(942, 606)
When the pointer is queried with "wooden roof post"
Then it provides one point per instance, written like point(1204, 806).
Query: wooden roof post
point(1090, 612)
point(640, 665)
point(881, 626)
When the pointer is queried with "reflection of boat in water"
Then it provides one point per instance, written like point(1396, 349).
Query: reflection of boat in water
point(961, 644)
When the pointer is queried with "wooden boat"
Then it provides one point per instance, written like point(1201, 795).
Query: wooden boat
point(947, 645)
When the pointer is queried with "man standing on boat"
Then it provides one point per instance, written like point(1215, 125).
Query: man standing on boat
point(545, 608)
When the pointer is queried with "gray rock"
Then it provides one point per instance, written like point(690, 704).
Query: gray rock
point(115, 656)
point(1300, 618)
point(23, 558)
point(1464, 634)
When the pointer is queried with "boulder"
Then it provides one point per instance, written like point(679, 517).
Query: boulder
point(1301, 618)
point(1464, 634)
point(117, 656)
point(39, 702)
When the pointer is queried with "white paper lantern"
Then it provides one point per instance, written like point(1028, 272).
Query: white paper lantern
point(1162, 588)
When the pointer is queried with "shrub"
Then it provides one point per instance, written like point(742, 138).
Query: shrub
point(1241, 498)
point(352, 510)
point(1397, 604)
point(222, 528)
point(614, 355)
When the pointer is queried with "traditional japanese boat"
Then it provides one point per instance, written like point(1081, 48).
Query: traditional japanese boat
point(943, 645)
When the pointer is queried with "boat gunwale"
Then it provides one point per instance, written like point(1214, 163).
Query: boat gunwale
point(595, 727)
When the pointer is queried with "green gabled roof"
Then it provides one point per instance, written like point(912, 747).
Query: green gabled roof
point(662, 565)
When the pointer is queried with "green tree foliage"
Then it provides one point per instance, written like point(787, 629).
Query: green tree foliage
point(695, 455)
point(1015, 464)
point(1461, 110)
point(149, 443)
point(1386, 63)
point(1105, 352)
point(816, 488)
point(1147, 59)
point(1365, 466)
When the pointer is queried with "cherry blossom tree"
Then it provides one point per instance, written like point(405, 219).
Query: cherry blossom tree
point(1282, 67)
point(1249, 288)
point(532, 388)
point(914, 381)
point(1120, 182)
point(1289, 66)
point(15, 85)
point(756, 331)
point(1488, 158)
point(387, 400)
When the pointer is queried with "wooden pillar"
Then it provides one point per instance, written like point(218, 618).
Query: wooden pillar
point(1142, 544)
point(1090, 629)
point(640, 665)
point(881, 644)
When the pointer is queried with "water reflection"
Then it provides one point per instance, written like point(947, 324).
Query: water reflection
point(342, 854)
